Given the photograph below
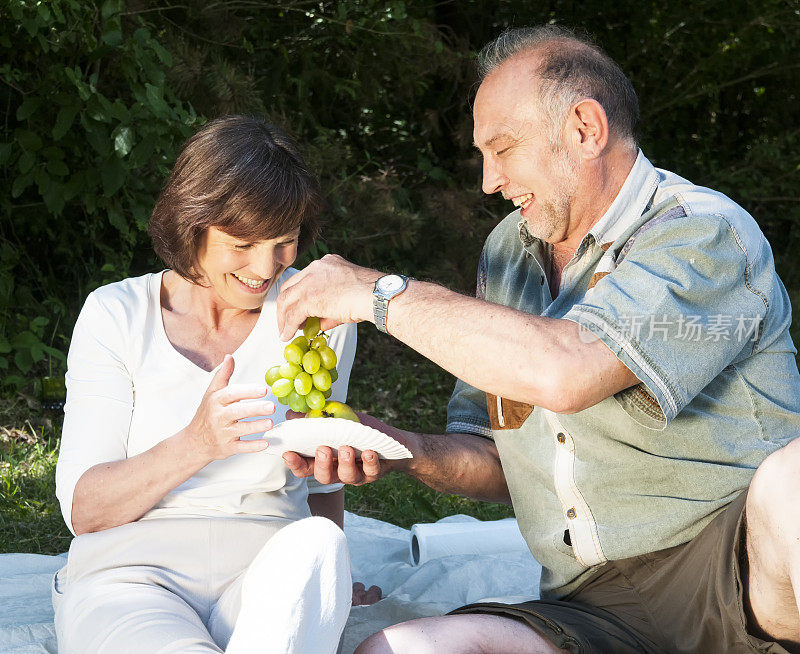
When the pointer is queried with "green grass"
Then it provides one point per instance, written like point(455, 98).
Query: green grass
point(389, 380)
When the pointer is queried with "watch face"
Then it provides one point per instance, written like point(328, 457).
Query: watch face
point(390, 283)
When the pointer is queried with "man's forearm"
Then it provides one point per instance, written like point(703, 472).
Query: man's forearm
point(528, 358)
point(462, 464)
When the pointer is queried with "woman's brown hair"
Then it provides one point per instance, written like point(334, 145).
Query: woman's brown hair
point(241, 175)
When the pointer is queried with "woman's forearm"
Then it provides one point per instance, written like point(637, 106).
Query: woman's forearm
point(118, 492)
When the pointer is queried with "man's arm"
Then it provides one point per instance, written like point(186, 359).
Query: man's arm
point(547, 362)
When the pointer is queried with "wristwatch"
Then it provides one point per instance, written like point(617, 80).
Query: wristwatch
point(385, 289)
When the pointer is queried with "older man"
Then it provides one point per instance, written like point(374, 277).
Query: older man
point(627, 380)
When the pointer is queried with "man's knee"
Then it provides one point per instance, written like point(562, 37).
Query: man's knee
point(772, 495)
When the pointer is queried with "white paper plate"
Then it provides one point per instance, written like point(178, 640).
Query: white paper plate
point(305, 435)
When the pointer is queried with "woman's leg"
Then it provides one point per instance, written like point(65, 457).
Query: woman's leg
point(108, 614)
point(294, 597)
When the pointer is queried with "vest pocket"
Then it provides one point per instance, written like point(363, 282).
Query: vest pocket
point(506, 414)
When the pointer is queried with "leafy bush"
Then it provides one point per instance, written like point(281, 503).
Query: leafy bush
point(98, 97)
point(91, 129)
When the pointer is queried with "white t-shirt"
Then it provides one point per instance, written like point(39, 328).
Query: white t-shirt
point(128, 389)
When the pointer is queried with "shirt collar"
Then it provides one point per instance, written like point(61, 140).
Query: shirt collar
point(631, 202)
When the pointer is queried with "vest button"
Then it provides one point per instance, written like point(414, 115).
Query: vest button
point(572, 513)
point(561, 438)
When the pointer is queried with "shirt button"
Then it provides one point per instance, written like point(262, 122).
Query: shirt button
point(541, 281)
point(561, 438)
point(572, 513)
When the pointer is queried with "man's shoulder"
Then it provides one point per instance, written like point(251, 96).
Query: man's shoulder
point(706, 204)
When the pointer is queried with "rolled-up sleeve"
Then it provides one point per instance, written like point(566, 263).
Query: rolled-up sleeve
point(97, 414)
point(678, 309)
point(466, 411)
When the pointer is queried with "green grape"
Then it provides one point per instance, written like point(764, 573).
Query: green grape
point(297, 402)
point(311, 328)
point(315, 399)
point(303, 383)
point(322, 380)
point(328, 357)
point(282, 387)
point(293, 353)
point(273, 375)
point(284, 400)
point(326, 394)
point(311, 361)
point(290, 370)
point(318, 342)
point(334, 375)
point(301, 342)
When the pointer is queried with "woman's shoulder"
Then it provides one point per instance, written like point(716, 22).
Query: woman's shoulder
point(125, 298)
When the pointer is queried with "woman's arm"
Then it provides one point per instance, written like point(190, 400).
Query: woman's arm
point(117, 492)
point(328, 505)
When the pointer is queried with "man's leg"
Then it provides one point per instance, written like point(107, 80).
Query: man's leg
point(773, 546)
point(459, 634)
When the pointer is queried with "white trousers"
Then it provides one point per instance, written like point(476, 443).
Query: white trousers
point(193, 585)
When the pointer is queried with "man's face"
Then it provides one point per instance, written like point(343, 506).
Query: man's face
point(519, 158)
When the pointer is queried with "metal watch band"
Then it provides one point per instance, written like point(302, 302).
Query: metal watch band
point(380, 301)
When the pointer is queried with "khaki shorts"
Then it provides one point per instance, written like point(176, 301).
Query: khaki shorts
point(683, 599)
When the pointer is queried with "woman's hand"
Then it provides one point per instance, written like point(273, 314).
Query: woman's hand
point(216, 429)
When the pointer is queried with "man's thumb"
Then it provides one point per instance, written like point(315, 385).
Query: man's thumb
point(223, 375)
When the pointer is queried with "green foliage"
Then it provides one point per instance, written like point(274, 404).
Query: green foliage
point(90, 130)
point(97, 97)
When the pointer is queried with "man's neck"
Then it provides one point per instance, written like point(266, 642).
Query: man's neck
point(599, 187)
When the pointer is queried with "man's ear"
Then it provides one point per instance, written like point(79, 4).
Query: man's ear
point(587, 124)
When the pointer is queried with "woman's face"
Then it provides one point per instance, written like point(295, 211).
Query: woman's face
point(241, 273)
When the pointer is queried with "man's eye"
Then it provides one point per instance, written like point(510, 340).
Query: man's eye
point(499, 153)
point(243, 246)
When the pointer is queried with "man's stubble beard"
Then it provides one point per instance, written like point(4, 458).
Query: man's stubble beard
point(553, 216)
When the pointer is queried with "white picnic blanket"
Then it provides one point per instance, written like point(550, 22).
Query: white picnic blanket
point(379, 553)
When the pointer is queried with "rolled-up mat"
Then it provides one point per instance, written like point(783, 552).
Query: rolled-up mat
point(434, 540)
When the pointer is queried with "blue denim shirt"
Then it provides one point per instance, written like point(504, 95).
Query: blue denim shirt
point(679, 282)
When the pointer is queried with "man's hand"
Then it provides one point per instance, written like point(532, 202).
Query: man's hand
point(331, 288)
point(346, 468)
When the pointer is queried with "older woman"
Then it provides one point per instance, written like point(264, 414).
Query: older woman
point(190, 535)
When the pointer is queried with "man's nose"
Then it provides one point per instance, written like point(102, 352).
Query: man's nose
point(493, 177)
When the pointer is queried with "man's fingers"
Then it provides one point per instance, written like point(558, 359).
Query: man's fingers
point(348, 470)
point(236, 392)
point(222, 376)
point(299, 465)
point(248, 427)
point(325, 466)
point(371, 465)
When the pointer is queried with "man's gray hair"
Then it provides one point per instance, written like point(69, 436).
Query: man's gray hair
point(570, 69)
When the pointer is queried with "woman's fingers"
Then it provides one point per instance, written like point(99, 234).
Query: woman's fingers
point(249, 447)
point(248, 427)
point(237, 392)
point(241, 410)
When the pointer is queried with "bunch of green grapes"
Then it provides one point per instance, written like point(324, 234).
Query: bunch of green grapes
point(304, 380)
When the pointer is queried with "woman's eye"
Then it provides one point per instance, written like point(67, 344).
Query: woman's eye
point(501, 152)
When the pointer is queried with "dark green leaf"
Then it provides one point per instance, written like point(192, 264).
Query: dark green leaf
point(112, 175)
point(66, 115)
point(29, 141)
point(123, 140)
point(28, 108)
